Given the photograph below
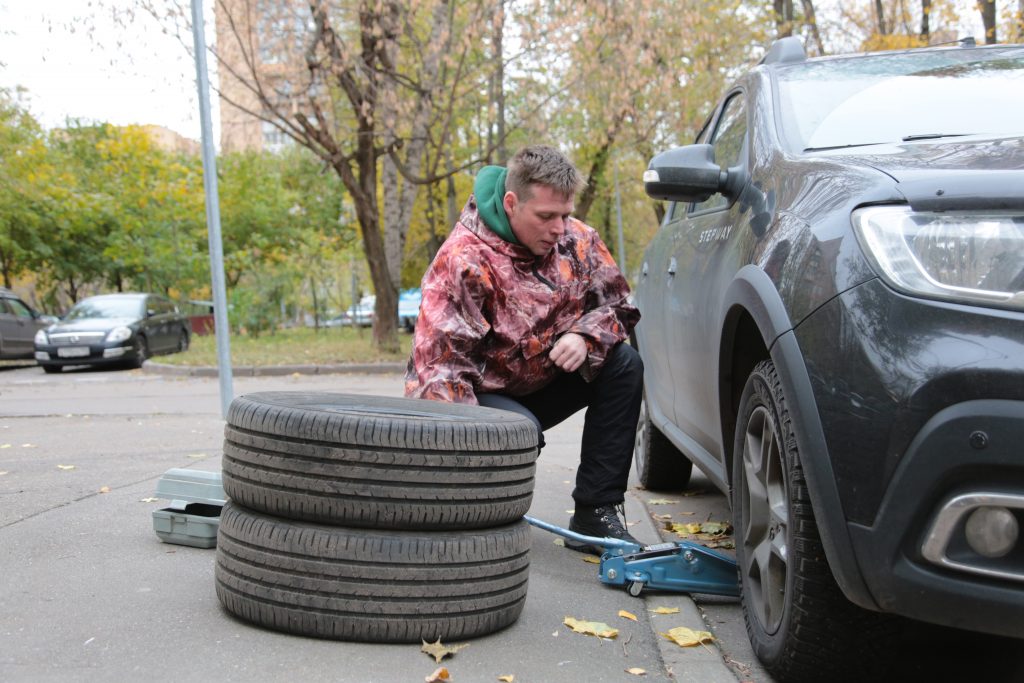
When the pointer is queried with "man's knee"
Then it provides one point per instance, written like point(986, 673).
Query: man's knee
point(625, 361)
point(502, 402)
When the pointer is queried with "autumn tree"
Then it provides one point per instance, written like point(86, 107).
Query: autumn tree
point(636, 79)
point(988, 20)
point(359, 84)
point(22, 157)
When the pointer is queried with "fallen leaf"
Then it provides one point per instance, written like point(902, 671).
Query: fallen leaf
point(627, 615)
point(4, 445)
point(507, 679)
point(439, 651)
point(665, 610)
point(148, 500)
point(705, 531)
point(440, 675)
point(571, 512)
point(592, 559)
point(661, 501)
point(591, 628)
point(687, 637)
point(65, 467)
point(716, 528)
point(197, 455)
point(663, 516)
point(105, 489)
point(2, 473)
point(29, 445)
point(637, 671)
point(559, 541)
point(724, 544)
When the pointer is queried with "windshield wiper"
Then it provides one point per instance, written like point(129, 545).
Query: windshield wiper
point(905, 138)
point(852, 144)
point(932, 136)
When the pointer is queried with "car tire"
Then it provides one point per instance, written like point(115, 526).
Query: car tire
point(380, 462)
point(800, 625)
point(51, 369)
point(660, 466)
point(141, 350)
point(182, 342)
point(370, 585)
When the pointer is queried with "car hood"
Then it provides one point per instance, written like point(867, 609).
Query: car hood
point(90, 325)
point(956, 173)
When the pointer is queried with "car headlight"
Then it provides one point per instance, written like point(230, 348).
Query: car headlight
point(41, 337)
point(967, 257)
point(119, 334)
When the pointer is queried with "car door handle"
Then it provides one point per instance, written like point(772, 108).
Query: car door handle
point(672, 266)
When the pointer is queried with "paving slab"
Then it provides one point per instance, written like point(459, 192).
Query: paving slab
point(92, 594)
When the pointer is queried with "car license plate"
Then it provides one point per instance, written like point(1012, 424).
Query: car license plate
point(73, 352)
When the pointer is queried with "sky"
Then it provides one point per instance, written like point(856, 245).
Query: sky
point(133, 75)
point(121, 75)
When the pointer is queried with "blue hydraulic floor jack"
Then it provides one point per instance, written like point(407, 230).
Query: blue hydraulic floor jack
point(682, 566)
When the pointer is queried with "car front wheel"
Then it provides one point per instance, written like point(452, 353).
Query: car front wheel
point(141, 350)
point(800, 625)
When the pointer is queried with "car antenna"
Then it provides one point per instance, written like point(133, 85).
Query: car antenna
point(966, 41)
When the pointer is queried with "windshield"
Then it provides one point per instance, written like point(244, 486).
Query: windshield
point(902, 96)
point(106, 307)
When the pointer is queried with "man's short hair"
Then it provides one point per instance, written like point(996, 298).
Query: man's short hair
point(542, 165)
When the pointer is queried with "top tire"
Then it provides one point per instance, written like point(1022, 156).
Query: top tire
point(378, 462)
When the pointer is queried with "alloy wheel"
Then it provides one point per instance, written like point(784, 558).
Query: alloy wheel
point(765, 520)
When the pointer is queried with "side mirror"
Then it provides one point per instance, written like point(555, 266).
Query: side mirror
point(685, 174)
point(150, 312)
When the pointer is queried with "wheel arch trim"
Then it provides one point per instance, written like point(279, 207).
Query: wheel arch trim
point(753, 292)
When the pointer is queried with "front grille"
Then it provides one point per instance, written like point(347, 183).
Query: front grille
point(73, 338)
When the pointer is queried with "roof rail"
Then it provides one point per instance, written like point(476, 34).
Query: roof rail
point(785, 50)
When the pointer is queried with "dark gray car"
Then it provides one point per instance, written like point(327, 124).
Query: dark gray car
point(19, 323)
point(833, 332)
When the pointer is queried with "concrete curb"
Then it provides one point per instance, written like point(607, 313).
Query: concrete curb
point(150, 367)
point(701, 664)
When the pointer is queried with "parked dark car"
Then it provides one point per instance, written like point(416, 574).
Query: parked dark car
point(833, 332)
point(113, 328)
point(19, 323)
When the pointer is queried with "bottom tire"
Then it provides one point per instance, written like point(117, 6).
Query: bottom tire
point(368, 585)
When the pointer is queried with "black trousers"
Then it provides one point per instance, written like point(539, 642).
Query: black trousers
point(612, 401)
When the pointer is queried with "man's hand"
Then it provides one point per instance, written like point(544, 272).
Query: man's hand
point(569, 352)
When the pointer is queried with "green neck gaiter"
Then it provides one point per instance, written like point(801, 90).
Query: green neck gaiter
point(489, 190)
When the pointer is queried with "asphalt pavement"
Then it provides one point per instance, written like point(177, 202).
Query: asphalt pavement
point(90, 592)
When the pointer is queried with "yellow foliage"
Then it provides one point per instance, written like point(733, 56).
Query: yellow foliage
point(877, 42)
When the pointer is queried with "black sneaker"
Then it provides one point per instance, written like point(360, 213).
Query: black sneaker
point(602, 522)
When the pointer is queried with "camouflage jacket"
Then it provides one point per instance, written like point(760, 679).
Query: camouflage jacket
point(491, 312)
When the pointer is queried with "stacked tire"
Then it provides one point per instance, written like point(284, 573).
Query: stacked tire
point(374, 519)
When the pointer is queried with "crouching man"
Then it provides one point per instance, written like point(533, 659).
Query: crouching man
point(524, 309)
